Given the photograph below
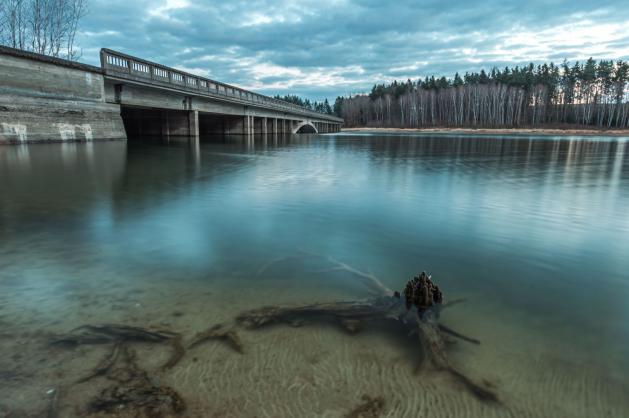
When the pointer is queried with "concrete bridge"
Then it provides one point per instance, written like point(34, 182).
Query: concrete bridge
point(158, 100)
point(44, 98)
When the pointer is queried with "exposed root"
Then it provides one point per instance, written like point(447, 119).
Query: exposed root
point(419, 314)
point(347, 314)
point(480, 392)
point(417, 311)
point(135, 391)
point(369, 408)
point(111, 333)
point(118, 334)
point(219, 332)
point(451, 303)
point(370, 280)
point(178, 352)
point(374, 284)
point(456, 334)
point(105, 365)
point(434, 351)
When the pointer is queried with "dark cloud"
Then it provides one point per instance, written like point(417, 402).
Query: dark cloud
point(325, 48)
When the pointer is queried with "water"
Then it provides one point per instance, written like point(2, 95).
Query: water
point(533, 231)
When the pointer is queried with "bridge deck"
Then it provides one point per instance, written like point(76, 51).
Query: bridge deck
point(125, 67)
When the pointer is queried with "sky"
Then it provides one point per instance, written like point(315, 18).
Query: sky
point(325, 48)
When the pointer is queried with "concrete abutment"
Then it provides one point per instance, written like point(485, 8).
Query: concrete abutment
point(44, 99)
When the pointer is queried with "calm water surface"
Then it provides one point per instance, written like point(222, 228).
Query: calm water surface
point(534, 231)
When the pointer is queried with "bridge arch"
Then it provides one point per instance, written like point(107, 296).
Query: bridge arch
point(305, 128)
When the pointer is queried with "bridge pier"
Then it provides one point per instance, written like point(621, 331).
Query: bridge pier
point(193, 124)
point(264, 126)
point(248, 125)
point(165, 125)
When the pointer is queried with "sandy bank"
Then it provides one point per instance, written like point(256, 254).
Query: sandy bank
point(513, 131)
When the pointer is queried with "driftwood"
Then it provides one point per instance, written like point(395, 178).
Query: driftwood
point(417, 309)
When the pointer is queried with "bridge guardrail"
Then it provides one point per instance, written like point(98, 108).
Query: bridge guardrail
point(126, 66)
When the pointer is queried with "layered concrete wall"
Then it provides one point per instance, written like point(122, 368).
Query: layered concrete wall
point(46, 99)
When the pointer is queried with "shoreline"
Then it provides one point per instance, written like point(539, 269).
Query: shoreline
point(499, 131)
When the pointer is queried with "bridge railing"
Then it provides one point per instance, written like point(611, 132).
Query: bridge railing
point(124, 66)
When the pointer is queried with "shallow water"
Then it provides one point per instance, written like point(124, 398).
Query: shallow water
point(533, 231)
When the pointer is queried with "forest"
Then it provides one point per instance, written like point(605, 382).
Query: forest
point(321, 107)
point(589, 93)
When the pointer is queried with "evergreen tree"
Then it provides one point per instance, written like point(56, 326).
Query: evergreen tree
point(586, 94)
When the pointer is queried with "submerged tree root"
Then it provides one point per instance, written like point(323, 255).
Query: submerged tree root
point(219, 332)
point(369, 408)
point(134, 391)
point(117, 334)
point(351, 315)
point(418, 310)
point(109, 333)
point(105, 365)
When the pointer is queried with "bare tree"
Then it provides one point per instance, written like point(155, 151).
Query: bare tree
point(43, 26)
point(13, 17)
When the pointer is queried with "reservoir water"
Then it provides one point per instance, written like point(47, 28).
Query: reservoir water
point(532, 231)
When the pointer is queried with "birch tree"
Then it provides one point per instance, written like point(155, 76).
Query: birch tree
point(583, 94)
point(43, 26)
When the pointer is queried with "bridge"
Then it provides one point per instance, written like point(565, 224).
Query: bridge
point(49, 99)
point(159, 100)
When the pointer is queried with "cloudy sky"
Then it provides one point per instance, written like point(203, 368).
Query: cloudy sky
point(325, 48)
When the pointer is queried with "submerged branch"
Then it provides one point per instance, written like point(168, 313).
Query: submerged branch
point(456, 334)
point(105, 365)
point(111, 333)
point(118, 334)
point(218, 332)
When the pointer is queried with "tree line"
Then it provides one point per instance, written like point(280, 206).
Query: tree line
point(589, 93)
point(321, 107)
point(43, 26)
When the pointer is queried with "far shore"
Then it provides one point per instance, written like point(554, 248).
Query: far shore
point(499, 131)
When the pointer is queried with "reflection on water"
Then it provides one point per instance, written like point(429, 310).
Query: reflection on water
point(534, 231)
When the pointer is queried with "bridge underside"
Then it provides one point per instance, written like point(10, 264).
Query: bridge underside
point(150, 113)
point(167, 123)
